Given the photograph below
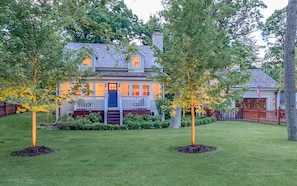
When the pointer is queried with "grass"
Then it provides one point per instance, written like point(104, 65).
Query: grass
point(247, 154)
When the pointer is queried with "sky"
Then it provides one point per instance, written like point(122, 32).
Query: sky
point(144, 8)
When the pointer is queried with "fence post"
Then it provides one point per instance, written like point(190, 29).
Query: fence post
point(258, 115)
point(5, 113)
point(278, 116)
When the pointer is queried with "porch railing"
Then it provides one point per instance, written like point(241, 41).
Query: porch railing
point(127, 103)
point(89, 103)
point(135, 103)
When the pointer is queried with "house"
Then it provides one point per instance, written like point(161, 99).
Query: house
point(263, 92)
point(122, 87)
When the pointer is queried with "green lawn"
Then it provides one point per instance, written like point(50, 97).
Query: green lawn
point(247, 154)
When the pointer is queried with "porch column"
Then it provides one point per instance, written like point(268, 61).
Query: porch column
point(105, 103)
point(120, 103)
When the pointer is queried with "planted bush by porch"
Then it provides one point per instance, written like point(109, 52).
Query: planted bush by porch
point(93, 121)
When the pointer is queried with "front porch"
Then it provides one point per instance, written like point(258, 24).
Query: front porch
point(113, 111)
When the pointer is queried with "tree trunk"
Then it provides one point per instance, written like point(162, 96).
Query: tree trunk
point(290, 89)
point(175, 121)
point(193, 124)
point(34, 129)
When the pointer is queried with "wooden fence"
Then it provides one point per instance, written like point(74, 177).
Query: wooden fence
point(7, 108)
point(265, 116)
point(256, 115)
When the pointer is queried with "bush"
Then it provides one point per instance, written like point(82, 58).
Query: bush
point(147, 117)
point(128, 117)
point(94, 117)
point(157, 124)
point(165, 124)
point(147, 125)
point(138, 118)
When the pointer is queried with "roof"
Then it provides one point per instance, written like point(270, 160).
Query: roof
point(260, 78)
point(107, 55)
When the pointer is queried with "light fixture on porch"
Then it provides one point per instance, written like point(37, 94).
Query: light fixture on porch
point(273, 100)
point(119, 88)
point(105, 87)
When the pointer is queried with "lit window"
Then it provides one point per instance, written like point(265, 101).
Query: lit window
point(125, 89)
point(87, 62)
point(146, 90)
point(135, 90)
point(112, 86)
point(65, 87)
point(135, 61)
point(99, 89)
point(88, 90)
point(76, 90)
point(156, 91)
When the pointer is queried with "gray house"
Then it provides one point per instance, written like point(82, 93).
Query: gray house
point(123, 86)
point(263, 92)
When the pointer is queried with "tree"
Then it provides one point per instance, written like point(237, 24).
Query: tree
point(102, 23)
point(274, 34)
point(33, 56)
point(290, 89)
point(197, 49)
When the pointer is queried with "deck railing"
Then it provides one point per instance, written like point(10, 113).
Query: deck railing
point(135, 103)
point(89, 103)
point(100, 103)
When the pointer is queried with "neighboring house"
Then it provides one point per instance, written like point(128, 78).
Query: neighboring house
point(268, 92)
point(123, 86)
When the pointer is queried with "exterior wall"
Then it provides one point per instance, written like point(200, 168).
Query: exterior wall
point(67, 108)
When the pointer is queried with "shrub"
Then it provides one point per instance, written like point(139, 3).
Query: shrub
point(94, 117)
point(157, 124)
point(165, 124)
point(122, 127)
point(147, 125)
point(138, 118)
point(183, 123)
point(128, 117)
point(88, 127)
point(147, 117)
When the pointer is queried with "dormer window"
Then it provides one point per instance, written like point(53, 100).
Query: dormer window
point(87, 62)
point(136, 64)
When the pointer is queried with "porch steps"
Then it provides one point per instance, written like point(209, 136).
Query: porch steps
point(113, 117)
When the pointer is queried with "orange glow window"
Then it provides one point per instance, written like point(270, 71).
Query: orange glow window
point(87, 61)
point(135, 61)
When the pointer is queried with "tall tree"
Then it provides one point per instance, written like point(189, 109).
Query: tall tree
point(290, 89)
point(274, 34)
point(197, 49)
point(33, 56)
point(102, 23)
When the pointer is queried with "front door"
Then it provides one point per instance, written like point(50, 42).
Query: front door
point(112, 95)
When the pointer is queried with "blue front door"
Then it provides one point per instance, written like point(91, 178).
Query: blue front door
point(112, 95)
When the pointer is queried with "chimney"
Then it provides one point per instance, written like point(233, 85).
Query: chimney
point(158, 39)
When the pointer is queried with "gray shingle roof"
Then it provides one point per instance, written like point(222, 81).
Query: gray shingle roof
point(107, 56)
point(261, 78)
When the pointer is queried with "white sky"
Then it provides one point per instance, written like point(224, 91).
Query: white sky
point(144, 8)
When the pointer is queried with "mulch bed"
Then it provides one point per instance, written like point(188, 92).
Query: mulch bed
point(33, 151)
point(197, 148)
